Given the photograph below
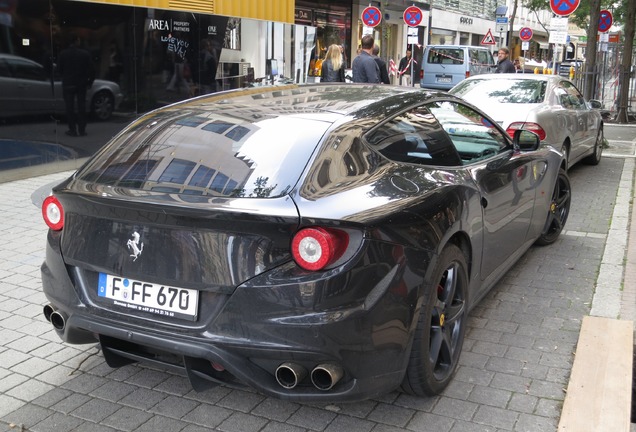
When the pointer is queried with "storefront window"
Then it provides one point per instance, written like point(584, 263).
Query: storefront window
point(140, 59)
point(333, 26)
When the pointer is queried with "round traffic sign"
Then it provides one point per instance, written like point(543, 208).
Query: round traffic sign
point(412, 16)
point(371, 16)
point(525, 34)
point(564, 7)
point(605, 21)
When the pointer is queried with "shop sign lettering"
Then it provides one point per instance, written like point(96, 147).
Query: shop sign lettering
point(466, 20)
point(156, 24)
point(302, 14)
point(182, 26)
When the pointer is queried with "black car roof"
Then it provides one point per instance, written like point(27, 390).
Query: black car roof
point(324, 102)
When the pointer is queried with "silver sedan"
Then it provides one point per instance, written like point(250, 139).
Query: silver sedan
point(27, 89)
point(548, 105)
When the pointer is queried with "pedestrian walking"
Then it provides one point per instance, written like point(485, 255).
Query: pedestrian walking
point(364, 67)
point(77, 73)
point(504, 65)
point(384, 73)
point(332, 69)
point(404, 69)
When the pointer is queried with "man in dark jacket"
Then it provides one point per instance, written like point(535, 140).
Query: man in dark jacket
point(364, 67)
point(504, 65)
point(77, 72)
point(404, 69)
point(384, 73)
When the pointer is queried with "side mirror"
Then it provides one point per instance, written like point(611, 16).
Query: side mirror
point(525, 140)
point(596, 104)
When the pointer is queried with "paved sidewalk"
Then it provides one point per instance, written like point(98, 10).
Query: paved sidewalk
point(514, 368)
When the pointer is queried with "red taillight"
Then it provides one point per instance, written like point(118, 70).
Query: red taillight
point(532, 127)
point(53, 213)
point(315, 248)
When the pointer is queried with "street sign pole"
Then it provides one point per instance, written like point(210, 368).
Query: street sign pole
point(525, 34)
point(523, 66)
point(412, 18)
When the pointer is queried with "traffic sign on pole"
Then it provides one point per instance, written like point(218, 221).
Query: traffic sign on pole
point(605, 21)
point(564, 7)
point(525, 34)
point(371, 16)
point(488, 39)
point(412, 16)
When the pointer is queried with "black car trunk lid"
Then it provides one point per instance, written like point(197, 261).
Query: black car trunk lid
point(211, 245)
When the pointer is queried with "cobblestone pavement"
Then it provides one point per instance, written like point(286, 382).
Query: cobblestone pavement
point(513, 371)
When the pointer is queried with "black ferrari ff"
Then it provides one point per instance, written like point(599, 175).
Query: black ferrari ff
point(315, 242)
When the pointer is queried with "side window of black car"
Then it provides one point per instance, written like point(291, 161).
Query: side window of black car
point(474, 137)
point(414, 137)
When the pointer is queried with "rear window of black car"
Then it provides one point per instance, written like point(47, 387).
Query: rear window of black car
point(208, 155)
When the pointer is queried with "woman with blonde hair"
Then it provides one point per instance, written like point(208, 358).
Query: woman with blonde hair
point(333, 69)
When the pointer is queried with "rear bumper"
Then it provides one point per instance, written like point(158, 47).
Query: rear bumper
point(259, 327)
point(209, 364)
point(435, 86)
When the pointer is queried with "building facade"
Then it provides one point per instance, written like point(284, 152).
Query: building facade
point(158, 52)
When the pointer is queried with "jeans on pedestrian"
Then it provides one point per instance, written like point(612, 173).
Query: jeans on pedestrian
point(76, 118)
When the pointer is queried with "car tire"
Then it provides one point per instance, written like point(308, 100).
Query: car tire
point(102, 105)
point(595, 157)
point(566, 155)
point(558, 210)
point(441, 327)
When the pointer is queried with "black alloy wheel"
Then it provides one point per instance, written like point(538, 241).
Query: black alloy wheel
point(441, 327)
point(558, 211)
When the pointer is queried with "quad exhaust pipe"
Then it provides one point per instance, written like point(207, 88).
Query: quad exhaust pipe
point(55, 317)
point(323, 376)
point(289, 375)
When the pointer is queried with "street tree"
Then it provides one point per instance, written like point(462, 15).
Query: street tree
point(623, 98)
point(587, 17)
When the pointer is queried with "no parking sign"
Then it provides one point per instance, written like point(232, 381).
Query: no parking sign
point(605, 21)
point(413, 16)
point(371, 16)
point(525, 34)
point(564, 7)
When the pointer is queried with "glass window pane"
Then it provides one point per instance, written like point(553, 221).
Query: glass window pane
point(472, 135)
point(414, 137)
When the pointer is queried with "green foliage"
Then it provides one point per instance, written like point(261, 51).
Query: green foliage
point(581, 15)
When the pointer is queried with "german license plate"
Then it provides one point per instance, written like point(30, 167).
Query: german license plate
point(444, 79)
point(149, 297)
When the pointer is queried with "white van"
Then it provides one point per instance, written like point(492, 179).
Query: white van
point(443, 66)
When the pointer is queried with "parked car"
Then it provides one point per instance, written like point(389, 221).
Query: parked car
point(444, 66)
point(315, 242)
point(575, 66)
point(27, 89)
point(549, 105)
